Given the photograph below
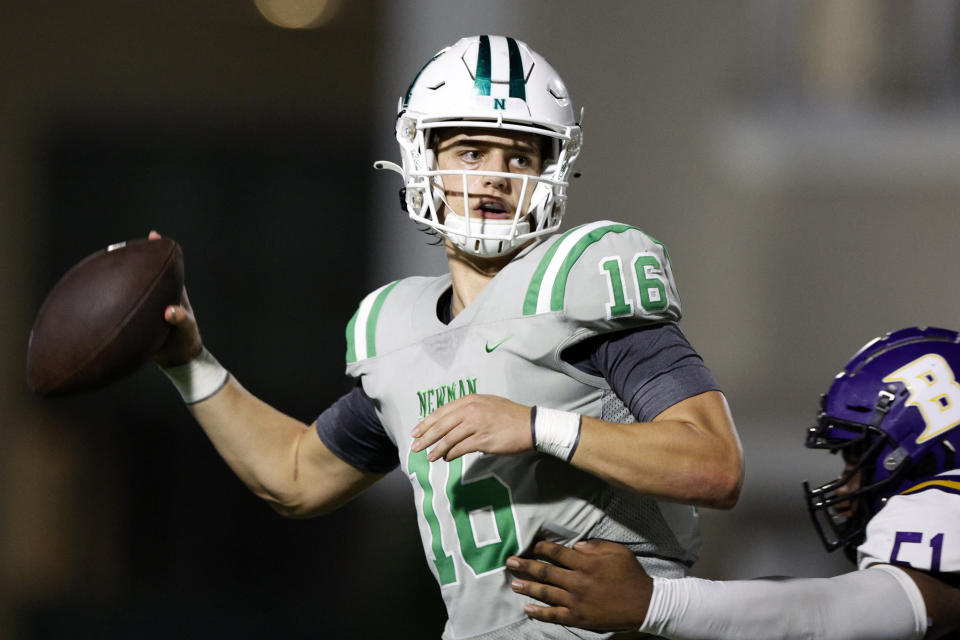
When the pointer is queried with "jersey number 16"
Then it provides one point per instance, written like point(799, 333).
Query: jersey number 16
point(481, 498)
point(648, 287)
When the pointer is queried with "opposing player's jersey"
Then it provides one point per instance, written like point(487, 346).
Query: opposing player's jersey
point(919, 528)
point(477, 510)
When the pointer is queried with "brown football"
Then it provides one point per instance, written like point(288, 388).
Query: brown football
point(104, 318)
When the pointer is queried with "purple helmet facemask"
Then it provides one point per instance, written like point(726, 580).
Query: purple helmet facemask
point(894, 414)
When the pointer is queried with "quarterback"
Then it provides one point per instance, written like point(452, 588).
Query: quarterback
point(894, 415)
point(540, 389)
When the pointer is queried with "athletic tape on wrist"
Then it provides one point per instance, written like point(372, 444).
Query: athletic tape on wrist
point(555, 432)
point(198, 379)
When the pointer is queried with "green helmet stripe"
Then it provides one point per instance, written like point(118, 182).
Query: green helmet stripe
point(517, 84)
point(406, 96)
point(482, 82)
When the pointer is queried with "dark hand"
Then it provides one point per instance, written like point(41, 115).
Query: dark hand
point(184, 342)
point(596, 585)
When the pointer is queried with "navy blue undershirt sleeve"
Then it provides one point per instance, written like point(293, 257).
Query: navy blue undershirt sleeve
point(649, 368)
point(352, 430)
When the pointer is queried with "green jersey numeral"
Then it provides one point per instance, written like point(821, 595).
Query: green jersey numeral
point(619, 304)
point(650, 289)
point(649, 286)
point(488, 496)
point(420, 467)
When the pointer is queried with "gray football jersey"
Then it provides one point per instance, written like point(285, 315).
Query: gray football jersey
point(476, 510)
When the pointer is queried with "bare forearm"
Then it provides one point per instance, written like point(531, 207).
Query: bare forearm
point(689, 454)
point(668, 460)
point(257, 441)
point(276, 456)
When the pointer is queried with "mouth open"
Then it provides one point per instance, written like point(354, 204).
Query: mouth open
point(491, 209)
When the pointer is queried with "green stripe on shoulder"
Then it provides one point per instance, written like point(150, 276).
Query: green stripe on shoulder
point(560, 283)
point(374, 316)
point(662, 246)
point(362, 328)
point(351, 343)
point(533, 291)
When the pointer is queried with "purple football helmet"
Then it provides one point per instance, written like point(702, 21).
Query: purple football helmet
point(894, 413)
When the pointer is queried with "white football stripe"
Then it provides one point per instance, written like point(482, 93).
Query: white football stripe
point(360, 327)
point(550, 275)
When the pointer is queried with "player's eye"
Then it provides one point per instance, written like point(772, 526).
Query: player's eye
point(522, 162)
point(470, 155)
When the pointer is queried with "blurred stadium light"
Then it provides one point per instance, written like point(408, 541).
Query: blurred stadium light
point(297, 14)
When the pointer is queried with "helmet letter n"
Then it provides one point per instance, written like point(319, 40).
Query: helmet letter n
point(933, 390)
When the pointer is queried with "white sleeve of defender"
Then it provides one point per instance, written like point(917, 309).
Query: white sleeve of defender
point(880, 603)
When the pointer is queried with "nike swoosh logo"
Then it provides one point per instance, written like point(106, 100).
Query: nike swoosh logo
point(489, 348)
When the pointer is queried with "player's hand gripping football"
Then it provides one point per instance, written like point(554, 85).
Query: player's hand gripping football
point(595, 585)
point(475, 422)
point(184, 342)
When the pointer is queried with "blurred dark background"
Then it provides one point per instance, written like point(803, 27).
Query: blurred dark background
point(799, 159)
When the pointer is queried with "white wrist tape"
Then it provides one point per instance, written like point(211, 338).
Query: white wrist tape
point(555, 432)
point(880, 603)
point(198, 379)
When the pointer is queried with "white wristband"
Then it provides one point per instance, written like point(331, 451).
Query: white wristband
point(555, 432)
point(198, 379)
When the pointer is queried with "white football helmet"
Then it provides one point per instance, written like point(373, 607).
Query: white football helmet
point(486, 82)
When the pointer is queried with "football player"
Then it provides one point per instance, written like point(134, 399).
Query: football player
point(894, 415)
point(541, 388)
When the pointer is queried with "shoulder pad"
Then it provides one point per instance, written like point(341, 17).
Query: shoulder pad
point(607, 273)
point(948, 481)
point(362, 328)
point(919, 528)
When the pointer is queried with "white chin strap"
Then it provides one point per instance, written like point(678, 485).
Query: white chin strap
point(457, 231)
